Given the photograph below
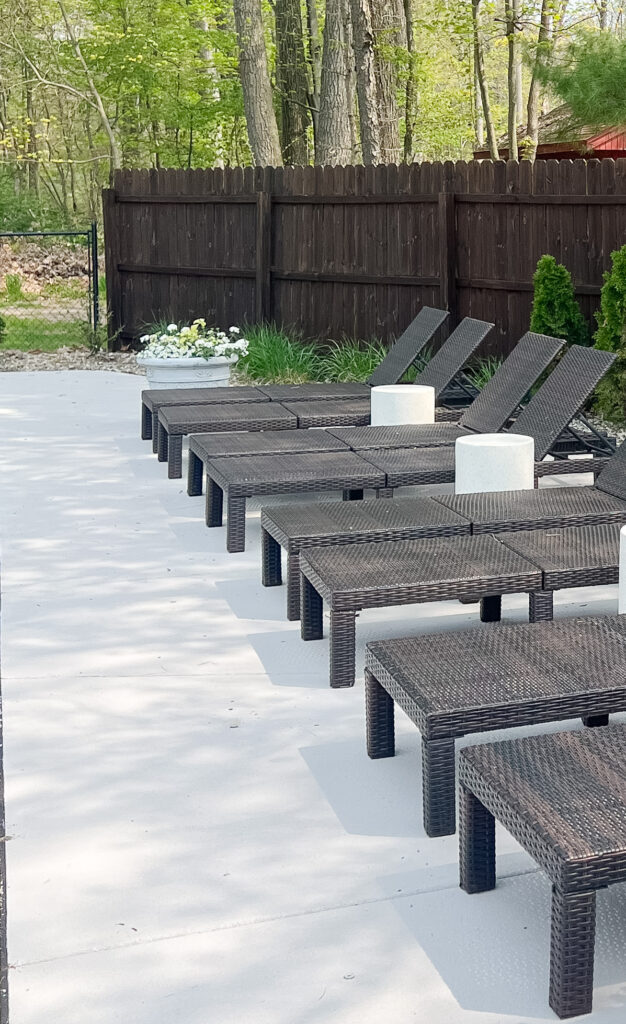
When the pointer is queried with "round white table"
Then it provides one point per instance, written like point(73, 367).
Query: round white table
point(494, 462)
point(396, 404)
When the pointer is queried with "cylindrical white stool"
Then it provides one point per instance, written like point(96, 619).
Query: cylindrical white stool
point(621, 599)
point(494, 462)
point(394, 404)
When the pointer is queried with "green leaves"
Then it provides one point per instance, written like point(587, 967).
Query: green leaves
point(555, 309)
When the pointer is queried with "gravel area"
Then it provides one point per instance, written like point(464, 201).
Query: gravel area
point(69, 359)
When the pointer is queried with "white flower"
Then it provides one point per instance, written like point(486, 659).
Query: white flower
point(144, 338)
point(172, 327)
point(234, 330)
point(185, 330)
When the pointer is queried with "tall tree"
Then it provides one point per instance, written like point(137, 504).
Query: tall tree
point(479, 65)
point(511, 17)
point(255, 82)
point(544, 50)
point(333, 144)
point(366, 86)
point(292, 82)
point(389, 35)
point(410, 93)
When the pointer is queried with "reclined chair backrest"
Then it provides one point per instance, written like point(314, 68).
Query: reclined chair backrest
point(562, 396)
point(454, 354)
point(510, 384)
point(612, 479)
point(408, 346)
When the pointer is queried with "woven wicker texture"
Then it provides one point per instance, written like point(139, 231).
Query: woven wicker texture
point(330, 412)
point(278, 474)
point(512, 675)
point(191, 419)
point(156, 400)
point(454, 354)
point(418, 435)
point(408, 346)
point(346, 521)
point(576, 556)
point(313, 392)
point(370, 574)
point(412, 466)
point(501, 396)
point(242, 442)
point(612, 479)
point(532, 510)
point(563, 796)
point(561, 396)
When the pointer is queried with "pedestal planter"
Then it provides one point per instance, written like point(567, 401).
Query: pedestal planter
point(187, 373)
point(393, 404)
point(494, 462)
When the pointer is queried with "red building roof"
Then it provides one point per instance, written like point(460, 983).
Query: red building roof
point(559, 140)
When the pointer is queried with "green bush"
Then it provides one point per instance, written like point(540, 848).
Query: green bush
point(13, 288)
point(610, 337)
point(3, 329)
point(351, 360)
point(276, 357)
point(481, 371)
point(555, 309)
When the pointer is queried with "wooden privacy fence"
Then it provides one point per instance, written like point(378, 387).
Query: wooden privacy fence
point(356, 251)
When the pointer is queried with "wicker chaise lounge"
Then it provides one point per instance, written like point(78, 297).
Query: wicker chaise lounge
point(400, 357)
point(563, 798)
point(512, 676)
point(350, 578)
point(441, 372)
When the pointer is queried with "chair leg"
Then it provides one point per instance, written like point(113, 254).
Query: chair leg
point(355, 494)
point(342, 648)
point(477, 844)
point(491, 608)
point(155, 432)
point(379, 719)
point(572, 941)
point(384, 492)
point(214, 503)
point(311, 609)
point(162, 443)
point(195, 472)
point(438, 787)
point(236, 524)
point(175, 456)
point(593, 721)
point(540, 606)
point(271, 574)
point(146, 423)
point(293, 587)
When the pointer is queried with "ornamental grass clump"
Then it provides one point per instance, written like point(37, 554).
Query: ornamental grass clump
point(555, 309)
point(276, 357)
point(194, 341)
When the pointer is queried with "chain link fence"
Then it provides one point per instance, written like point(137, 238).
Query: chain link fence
point(49, 290)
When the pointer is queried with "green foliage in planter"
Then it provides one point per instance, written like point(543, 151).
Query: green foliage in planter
point(610, 336)
point(555, 309)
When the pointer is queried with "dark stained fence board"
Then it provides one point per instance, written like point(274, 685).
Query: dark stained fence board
point(357, 251)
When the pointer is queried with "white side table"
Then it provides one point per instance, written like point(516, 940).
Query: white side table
point(621, 598)
point(394, 404)
point(494, 462)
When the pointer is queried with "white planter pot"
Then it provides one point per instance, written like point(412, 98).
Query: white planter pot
point(187, 373)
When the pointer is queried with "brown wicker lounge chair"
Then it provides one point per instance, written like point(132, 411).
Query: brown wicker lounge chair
point(512, 676)
point(563, 798)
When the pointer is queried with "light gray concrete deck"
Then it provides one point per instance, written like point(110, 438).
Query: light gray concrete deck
point(196, 833)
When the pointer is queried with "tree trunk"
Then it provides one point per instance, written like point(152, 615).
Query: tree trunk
point(363, 42)
point(255, 83)
point(411, 94)
point(292, 82)
point(545, 47)
point(315, 60)
point(479, 121)
point(603, 15)
point(334, 142)
point(388, 35)
point(479, 64)
point(511, 16)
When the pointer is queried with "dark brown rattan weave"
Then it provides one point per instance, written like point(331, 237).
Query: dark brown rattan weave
point(259, 442)
point(406, 349)
point(352, 577)
point(563, 798)
point(177, 421)
point(244, 477)
point(511, 676)
point(417, 435)
point(330, 413)
point(321, 524)
point(313, 392)
point(153, 400)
